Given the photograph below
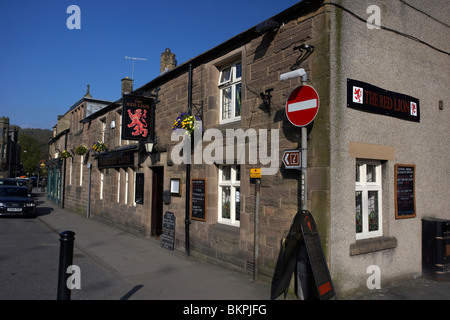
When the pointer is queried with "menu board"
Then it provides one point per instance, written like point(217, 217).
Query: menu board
point(198, 198)
point(322, 278)
point(405, 200)
point(168, 234)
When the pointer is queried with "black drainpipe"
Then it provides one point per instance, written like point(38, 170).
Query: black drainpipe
point(188, 168)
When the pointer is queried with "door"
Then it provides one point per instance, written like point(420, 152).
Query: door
point(157, 201)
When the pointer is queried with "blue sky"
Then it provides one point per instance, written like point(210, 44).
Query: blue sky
point(45, 67)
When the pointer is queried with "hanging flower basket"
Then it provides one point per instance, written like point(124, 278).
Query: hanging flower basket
point(66, 154)
point(80, 150)
point(99, 146)
point(186, 122)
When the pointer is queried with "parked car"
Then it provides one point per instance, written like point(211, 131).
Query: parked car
point(15, 200)
point(24, 182)
point(21, 182)
point(8, 182)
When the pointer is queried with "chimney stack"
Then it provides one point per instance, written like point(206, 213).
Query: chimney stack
point(168, 61)
point(127, 85)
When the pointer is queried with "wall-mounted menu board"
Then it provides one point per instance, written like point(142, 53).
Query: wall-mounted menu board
point(405, 198)
point(198, 199)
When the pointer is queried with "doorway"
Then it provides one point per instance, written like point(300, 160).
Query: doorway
point(157, 202)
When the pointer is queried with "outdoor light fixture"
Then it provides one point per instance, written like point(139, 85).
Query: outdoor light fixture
point(305, 51)
point(267, 25)
point(309, 48)
point(294, 74)
point(266, 96)
point(149, 146)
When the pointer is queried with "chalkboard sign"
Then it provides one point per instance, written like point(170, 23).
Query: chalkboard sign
point(405, 199)
point(168, 234)
point(139, 194)
point(198, 198)
point(319, 267)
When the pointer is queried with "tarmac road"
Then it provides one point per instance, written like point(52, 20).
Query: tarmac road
point(116, 265)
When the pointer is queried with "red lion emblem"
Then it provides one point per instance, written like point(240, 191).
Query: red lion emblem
point(358, 94)
point(138, 122)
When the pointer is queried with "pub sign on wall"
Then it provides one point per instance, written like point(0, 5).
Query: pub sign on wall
point(369, 98)
point(137, 118)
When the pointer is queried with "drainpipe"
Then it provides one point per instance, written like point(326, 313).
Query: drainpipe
point(88, 209)
point(63, 175)
point(187, 221)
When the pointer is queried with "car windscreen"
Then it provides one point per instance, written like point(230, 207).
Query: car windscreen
point(8, 182)
point(21, 183)
point(13, 192)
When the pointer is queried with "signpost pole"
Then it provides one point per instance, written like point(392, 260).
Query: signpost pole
point(304, 163)
point(304, 168)
point(256, 242)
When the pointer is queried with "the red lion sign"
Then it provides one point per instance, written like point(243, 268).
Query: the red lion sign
point(138, 122)
point(137, 118)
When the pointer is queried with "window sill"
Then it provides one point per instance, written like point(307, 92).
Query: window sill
point(372, 245)
point(225, 228)
point(234, 123)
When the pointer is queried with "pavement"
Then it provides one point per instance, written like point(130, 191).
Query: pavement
point(145, 271)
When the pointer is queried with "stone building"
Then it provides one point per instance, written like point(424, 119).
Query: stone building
point(383, 117)
point(67, 135)
point(9, 149)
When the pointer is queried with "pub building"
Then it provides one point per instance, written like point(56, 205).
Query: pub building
point(377, 151)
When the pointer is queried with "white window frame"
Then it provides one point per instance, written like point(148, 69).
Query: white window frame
point(118, 185)
point(134, 188)
point(70, 170)
point(81, 171)
point(102, 178)
point(120, 128)
point(365, 187)
point(233, 184)
point(126, 187)
point(231, 83)
point(103, 127)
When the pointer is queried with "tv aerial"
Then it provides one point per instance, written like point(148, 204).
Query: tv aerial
point(134, 59)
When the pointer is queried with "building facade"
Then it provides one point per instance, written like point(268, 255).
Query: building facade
point(10, 149)
point(66, 137)
point(382, 121)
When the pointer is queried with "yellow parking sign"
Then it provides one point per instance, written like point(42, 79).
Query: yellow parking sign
point(255, 173)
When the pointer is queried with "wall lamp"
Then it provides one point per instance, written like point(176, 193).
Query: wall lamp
point(305, 52)
point(307, 47)
point(267, 25)
point(149, 145)
point(266, 96)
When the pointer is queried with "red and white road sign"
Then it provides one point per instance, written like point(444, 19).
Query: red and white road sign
point(292, 159)
point(302, 105)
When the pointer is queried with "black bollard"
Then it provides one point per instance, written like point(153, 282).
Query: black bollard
point(65, 260)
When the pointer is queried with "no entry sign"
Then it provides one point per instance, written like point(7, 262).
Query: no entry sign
point(302, 105)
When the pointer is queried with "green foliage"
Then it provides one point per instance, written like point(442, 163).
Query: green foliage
point(30, 153)
point(42, 136)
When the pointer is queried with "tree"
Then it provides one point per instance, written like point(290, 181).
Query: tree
point(30, 153)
